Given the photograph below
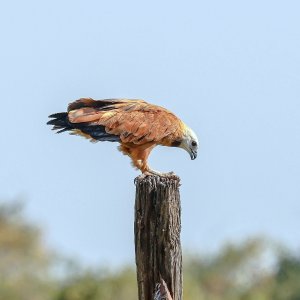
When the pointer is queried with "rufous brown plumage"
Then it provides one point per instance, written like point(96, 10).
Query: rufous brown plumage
point(137, 125)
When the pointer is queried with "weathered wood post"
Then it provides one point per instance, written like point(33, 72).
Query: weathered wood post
point(157, 238)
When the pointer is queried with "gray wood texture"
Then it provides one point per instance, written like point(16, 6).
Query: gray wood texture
point(157, 237)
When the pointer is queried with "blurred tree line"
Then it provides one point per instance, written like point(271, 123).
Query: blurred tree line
point(253, 270)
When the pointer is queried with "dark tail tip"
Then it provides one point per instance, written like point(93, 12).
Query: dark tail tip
point(58, 115)
point(60, 122)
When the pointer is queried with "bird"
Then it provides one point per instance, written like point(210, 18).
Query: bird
point(135, 124)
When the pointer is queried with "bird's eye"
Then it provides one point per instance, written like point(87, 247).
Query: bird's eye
point(194, 144)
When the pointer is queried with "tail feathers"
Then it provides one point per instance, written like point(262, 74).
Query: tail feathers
point(60, 122)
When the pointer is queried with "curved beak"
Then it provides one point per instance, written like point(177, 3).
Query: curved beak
point(193, 154)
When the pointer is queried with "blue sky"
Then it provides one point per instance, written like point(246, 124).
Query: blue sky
point(229, 69)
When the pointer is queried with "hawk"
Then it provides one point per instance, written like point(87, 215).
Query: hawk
point(137, 125)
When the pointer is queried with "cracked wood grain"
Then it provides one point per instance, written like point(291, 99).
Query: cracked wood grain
point(157, 237)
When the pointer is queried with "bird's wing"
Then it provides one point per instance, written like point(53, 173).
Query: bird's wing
point(134, 121)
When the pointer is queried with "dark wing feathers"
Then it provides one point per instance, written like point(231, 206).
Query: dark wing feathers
point(59, 122)
point(105, 104)
point(97, 132)
point(58, 115)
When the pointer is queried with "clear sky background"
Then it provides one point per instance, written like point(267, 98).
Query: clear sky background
point(229, 69)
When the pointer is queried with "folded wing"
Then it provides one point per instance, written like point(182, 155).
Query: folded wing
point(133, 121)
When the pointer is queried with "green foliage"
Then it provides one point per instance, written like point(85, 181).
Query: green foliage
point(287, 279)
point(101, 285)
point(227, 275)
point(24, 261)
point(236, 272)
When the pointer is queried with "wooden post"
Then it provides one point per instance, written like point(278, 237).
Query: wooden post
point(157, 238)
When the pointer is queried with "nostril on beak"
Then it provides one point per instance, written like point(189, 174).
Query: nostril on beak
point(193, 155)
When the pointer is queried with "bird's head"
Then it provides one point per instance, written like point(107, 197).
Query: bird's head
point(190, 142)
